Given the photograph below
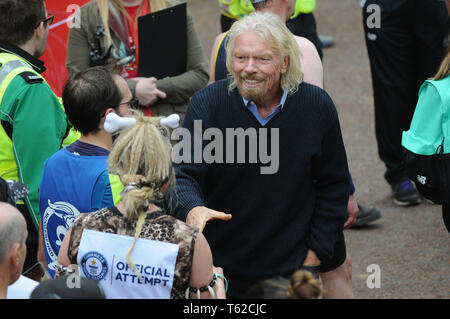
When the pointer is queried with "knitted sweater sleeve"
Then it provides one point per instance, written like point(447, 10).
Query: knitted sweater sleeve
point(332, 181)
point(190, 169)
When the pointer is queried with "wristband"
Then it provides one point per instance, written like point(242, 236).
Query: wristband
point(225, 280)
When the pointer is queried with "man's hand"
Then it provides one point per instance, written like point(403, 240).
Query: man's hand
point(200, 215)
point(352, 211)
point(147, 92)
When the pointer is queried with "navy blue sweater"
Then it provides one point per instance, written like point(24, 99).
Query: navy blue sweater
point(276, 217)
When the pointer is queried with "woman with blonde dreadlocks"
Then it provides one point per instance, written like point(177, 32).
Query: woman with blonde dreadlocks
point(133, 249)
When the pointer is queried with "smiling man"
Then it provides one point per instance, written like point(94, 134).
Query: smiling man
point(264, 225)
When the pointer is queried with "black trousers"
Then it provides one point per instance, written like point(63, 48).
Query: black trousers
point(404, 50)
point(446, 216)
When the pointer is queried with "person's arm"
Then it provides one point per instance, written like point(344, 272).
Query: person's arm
point(200, 215)
point(426, 124)
point(203, 270)
point(310, 62)
point(63, 255)
point(189, 175)
point(78, 48)
point(41, 249)
point(352, 211)
point(181, 87)
point(38, 130)
point(330, 171)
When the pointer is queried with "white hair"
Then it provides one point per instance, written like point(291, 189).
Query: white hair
point(272, 30)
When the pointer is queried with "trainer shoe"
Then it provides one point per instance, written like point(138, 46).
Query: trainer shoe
point(326, 40)
point(366, 215)
point(405, 194)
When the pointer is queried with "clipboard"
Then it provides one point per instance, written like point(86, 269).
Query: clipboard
point(163, 42)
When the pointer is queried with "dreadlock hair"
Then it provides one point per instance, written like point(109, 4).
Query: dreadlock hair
point(141, 157)
point(300, 285)
point(303, 285)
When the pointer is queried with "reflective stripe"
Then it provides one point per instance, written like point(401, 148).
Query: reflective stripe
point(116, 188)
point(11, 66)
point(9, 167)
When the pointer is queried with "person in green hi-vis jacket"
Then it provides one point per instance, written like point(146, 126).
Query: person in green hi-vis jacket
point(33, 123)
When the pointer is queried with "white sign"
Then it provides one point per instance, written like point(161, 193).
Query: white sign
point(102, 256)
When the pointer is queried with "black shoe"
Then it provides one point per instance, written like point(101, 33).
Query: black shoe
point(405, 194)
point(366, 215)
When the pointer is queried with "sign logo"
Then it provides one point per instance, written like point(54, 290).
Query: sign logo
point(94, 265)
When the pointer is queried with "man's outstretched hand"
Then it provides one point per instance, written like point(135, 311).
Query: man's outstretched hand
point(200, 215)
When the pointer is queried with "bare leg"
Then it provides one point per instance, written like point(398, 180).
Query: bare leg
point(338, 283)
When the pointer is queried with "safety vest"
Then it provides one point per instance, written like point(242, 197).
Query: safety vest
point(65, 193)
point(239, 8)
point(12, 65)
point(304, 6)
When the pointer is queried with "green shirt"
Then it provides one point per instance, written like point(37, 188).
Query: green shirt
point(430, 123)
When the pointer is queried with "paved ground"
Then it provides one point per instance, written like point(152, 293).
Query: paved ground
point(410, 245)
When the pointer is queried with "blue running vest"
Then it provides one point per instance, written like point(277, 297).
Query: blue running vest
point(66, 191)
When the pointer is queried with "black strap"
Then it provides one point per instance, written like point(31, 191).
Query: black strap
point(31, 77)
point(8, 128)
point(3, 190)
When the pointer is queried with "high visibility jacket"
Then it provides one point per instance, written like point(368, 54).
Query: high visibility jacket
point(304, 6)
point(236, 9)
point(33, 124)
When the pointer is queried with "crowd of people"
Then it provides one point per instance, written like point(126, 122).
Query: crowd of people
point(90, 186)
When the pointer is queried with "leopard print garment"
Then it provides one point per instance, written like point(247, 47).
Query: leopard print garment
point(164, 228)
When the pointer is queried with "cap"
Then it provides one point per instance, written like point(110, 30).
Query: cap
point(257, 1)
point(58, 288)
